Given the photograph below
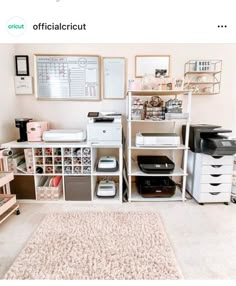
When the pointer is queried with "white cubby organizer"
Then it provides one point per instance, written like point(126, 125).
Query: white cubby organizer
point(74, 162)
point(132, 150)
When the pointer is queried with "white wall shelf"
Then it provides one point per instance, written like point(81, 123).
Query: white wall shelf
point(117, 173)
point(157, 92)
point(158, 121)
point(179, 147)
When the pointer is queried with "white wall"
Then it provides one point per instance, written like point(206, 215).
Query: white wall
point(215, 109)
point(7, 94)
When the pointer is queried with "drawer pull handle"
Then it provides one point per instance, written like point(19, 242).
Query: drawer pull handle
point(216, 166)
point(215, 175)
point(217, 157)
point(215, 193)
point(215, 184)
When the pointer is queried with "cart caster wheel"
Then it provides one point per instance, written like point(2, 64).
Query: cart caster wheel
point(233, 200)
point(17, 212)
point(226, 204)
point(201, 204)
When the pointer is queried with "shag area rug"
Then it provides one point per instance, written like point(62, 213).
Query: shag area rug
point(97, 245)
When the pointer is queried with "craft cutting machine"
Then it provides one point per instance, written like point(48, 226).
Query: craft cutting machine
point(157, 139)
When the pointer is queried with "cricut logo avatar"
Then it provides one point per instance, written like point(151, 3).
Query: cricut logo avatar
point(16, 26)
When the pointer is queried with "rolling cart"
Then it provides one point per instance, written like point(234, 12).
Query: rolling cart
point(8, 203)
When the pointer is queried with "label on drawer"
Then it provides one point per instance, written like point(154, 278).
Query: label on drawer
point(226, 179)
point(217, 169)
point(216, 187)
point(217, 160)
point(214, 197)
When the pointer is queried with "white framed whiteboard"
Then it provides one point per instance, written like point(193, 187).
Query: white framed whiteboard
point(67, 77)
point(114, 78)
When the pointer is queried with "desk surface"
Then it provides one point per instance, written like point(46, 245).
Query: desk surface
point(42, 144)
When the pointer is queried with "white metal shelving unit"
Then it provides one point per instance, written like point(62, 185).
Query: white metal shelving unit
point(133, 169)
point(68, 158)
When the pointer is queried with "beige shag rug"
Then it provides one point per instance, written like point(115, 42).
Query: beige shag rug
point(97, 245)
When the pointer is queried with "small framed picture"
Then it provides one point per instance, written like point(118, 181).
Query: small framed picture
point(160, 72)
point(22, 65)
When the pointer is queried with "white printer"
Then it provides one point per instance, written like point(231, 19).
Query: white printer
point(104, 127)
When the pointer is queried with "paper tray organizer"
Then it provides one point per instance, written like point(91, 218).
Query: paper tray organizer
point(46, 190)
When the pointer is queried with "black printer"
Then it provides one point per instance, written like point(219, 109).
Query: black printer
point(208, 139)
point(155, 187)
point(155, 164)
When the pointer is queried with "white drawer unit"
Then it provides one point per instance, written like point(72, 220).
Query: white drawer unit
point(210, 177)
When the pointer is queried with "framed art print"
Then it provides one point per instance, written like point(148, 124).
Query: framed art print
point(22, 65)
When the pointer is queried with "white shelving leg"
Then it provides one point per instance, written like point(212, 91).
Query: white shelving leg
point(121, 174)
point(184, 187)
point(6, 188)
point(173, 151)
point(63, 188)
point(186, 145)
point(129, 105)
point(35, 175)
point(129, 146)
point(130, 188)
point(129, 171)
point(93, 158)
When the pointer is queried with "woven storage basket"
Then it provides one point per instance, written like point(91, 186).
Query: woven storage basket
point(49, 193)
